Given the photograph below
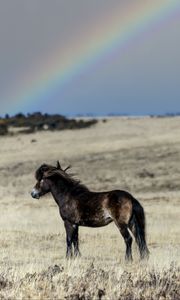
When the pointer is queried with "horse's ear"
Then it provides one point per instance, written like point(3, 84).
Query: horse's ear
point(67, 168)
point(58, 166)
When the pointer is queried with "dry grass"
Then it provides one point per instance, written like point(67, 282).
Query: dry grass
point(139, 155)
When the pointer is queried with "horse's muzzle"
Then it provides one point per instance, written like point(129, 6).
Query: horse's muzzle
point(35, 194)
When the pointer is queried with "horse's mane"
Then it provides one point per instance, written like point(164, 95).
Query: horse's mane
point(48, 171)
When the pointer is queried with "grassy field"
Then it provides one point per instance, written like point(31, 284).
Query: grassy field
point(141, 155)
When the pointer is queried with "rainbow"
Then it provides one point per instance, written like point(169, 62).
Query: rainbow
point(110, 34)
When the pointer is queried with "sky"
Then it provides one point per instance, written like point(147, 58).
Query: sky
point(90, 57)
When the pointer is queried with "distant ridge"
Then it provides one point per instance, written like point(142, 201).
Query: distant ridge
point(38, 122)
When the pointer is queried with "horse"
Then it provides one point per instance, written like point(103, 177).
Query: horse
point(78, 206)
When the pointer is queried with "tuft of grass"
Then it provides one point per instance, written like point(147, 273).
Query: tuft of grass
point(73, 281)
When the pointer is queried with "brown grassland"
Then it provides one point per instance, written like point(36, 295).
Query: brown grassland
point(141, 155)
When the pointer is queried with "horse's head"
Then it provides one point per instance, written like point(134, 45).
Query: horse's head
point(43, 184)
point(45, 175)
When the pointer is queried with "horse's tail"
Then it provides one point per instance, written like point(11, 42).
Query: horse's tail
point(138, 227)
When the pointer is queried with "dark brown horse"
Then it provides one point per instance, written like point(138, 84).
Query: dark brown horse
point(78, 206)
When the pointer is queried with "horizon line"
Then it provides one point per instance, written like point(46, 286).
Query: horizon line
point(95, 115)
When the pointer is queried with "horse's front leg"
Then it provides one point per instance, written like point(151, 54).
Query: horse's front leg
point(76, 240)
point(71, 238)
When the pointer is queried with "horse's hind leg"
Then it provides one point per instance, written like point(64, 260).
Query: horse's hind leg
point(123, 228)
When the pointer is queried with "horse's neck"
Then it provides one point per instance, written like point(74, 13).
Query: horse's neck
point(60, 197)
point(64, 194)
